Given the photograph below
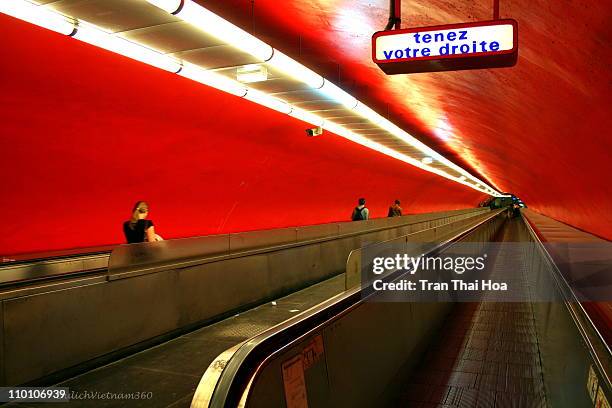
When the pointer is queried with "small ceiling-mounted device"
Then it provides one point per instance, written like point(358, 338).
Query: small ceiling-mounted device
point(316, 131)
point(252, 73)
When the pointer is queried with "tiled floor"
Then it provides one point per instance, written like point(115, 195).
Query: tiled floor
point(172, 370)
point(486, 354)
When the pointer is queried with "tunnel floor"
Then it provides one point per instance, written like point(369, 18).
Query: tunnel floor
point(487, 353)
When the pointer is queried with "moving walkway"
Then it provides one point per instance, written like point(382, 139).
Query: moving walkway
point(59, 327)
point(352, 351)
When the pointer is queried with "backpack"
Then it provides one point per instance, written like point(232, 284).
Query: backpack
point(357, 214)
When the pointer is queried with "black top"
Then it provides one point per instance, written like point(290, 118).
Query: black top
point(136, 232)
point(395, 211)
point(357, 214)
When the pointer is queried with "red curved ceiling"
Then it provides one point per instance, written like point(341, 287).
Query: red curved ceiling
point(540, 130)
point(85, 133)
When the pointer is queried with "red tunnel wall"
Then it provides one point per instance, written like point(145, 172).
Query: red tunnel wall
point(85, 133)
point(540, 129)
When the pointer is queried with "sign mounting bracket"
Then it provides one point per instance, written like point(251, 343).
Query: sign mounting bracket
point(395, 15)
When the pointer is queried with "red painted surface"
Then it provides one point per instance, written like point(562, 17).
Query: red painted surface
point(540, 129)
point(85, 133)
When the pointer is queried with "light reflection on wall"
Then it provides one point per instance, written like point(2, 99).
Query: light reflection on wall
point(420, 93)
point(455, 141)
point(353, 21)
point(443, 129)
point(353, 29)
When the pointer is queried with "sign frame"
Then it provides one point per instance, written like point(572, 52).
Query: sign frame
point(453, 62)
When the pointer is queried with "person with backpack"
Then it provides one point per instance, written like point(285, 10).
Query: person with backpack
point(360, 213)
point(395, 210)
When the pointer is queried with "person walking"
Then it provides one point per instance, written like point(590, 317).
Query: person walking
point(395, 210)
point(360, 213)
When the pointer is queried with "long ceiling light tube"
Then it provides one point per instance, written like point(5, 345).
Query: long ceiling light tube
point(268, 101)
point(212, 79)
point(207, 21)
point(225, 31)
point(354, 137)
point(39, 15)
point(169, 6)
point(295, 70)
point(212, 24)
point(308, 117)
point(216, 26)
point(92, 34)
point(338, 94)
point(367, 113)
point(89, 33)
point(406, 137)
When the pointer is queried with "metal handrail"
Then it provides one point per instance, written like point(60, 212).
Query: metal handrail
point(183, 263)
point(414, 234)
point(46, 269)
point(595, 342)
point(226, 391)
point(242, 365)
point(5, 278)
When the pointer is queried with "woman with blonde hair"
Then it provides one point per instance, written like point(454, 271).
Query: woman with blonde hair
point(138, 228)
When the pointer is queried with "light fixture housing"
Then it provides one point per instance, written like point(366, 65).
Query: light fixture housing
point(295, 70)
point(268, 101)
point(427, 160)
point(338, 94)
point(251, 73)
point(212, 79)
point(307, 117)
point(39, 15)
point(207, 21)
point(268, 59)
point(94, 35)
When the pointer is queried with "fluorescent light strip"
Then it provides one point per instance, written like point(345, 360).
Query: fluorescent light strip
point(212, 79)
point(224, 30)
point(216, 26)
point(339, 94)
point(251, 73)
point(308, 117)
point(367, 113)
point(427, 160)
point(396, 131)
point(39, 15)
point(295, 70)
point(268, 101)
point(92, 34)
point(406, 137)
point(89, 33)
point(170, 6)
point(197, 15)
point(354, 137)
